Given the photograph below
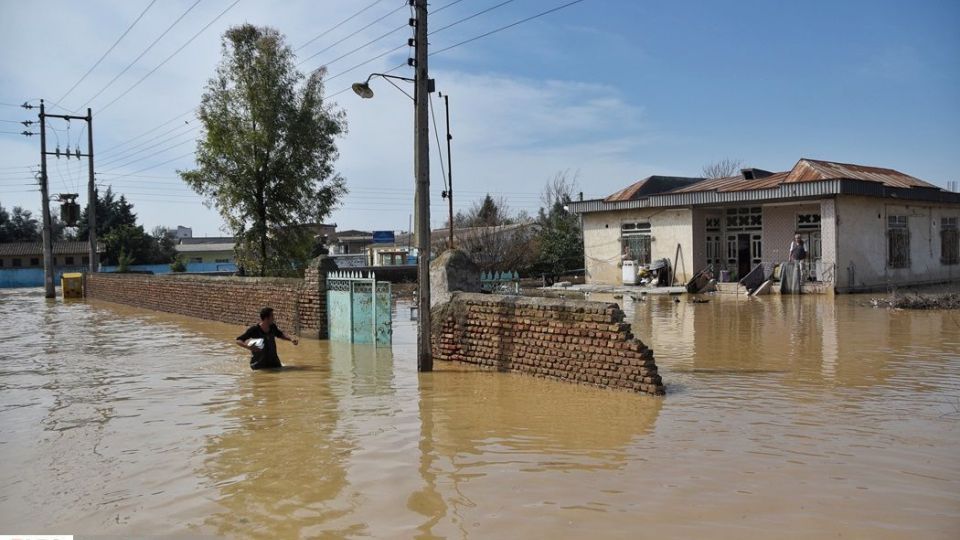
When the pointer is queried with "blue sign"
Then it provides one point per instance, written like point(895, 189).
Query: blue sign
point(383, 237)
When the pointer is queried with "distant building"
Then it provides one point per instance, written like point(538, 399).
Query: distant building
point(210, 249)
point(350, 242)
point(183, 232)
point(864, 227)
point(30, 254)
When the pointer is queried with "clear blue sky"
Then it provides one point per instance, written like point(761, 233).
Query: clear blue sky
point(612, 89)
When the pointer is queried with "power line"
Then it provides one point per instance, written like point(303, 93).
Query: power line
point(338, 25)
point(341, 40)
point(367, 44)
point(436, 134)
point(158, 164)
point(128, 154)
point(151, 130)
point(477, 14)
point(145, 51)
point(148, 156)
point(502, 28)
point(115, 43)
point(167, 59)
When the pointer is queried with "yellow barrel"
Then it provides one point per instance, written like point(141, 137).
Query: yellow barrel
point(72, 285)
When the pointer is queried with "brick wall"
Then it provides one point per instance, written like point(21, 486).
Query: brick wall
point(235, 300)
point(576, 341)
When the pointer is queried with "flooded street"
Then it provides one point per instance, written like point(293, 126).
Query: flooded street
point(792, 417)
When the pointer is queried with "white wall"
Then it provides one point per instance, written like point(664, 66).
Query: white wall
point(862, 244)
point(602, 248)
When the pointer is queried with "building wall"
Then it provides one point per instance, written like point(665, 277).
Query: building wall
point(602, 248)
point(208, 256)
point(300, 303)
point(779, 227)
point(862, 244)
point(575, 341)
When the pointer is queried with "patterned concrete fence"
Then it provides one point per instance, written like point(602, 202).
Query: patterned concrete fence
point(576, 341)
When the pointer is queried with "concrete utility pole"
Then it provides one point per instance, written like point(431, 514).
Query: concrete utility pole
point(91, 197)
point(422, 166)
point(48, 266)
point(48, 282)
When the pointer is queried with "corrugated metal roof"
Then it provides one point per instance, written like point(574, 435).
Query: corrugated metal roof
point(811, 169)
point(26, 249)
point(652, 185)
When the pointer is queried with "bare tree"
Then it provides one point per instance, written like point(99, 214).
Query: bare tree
point(722, 169)
point(498, 248)
point(561, 189)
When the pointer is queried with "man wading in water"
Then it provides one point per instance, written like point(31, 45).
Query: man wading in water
point(260, 340)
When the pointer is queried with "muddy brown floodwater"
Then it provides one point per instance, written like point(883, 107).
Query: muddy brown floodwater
point(784, 418)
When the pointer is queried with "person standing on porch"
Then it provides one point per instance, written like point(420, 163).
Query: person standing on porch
point(798, 254)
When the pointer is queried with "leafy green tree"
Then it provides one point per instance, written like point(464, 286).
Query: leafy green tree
point(111, 211)
point(266, 161)
point(559, 237)
point(178, 265)
point(19, 225)
point(164, 249)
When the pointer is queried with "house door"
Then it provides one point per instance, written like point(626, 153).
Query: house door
point(743, 255)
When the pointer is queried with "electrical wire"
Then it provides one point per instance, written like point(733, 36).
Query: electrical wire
point(365, 45)
point(436, 134)
point(338, 25)
point(167, 59)
point(477, 14)
point(127, 155)
point(149, 131)
point(341, 40)
point(502, 28)
point(115, 43)
point(127, 152)
point(145, 51)
point(148, 156)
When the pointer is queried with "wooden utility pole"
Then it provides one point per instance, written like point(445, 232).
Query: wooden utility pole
point(50, 289)
point(449, 192)
point(91, 197)
point(422, 166)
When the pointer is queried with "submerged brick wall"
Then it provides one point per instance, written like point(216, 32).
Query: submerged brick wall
point(234, 300)
point(577, 341)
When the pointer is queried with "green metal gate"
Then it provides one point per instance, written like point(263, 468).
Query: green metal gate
point(358, 308)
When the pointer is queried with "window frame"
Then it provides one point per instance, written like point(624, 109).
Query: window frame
point(949, 240)
point(640, 234)
point(898, 232)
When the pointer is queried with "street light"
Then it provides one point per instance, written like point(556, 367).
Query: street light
point(363, 89)
point(423, 85)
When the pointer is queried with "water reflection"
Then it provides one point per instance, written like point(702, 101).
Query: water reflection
point(813, 415)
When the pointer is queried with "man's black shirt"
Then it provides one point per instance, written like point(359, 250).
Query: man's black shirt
point(266, 358)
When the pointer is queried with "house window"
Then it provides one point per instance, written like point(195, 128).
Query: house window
point(635, 242)
point(744, 219)
point(85, 260)
point(196, 259)
point(949, 241)
point(713, 249)
point(898, 242)
point(17, 263)
point(221, 261)
point(756, 248)
point(68, 260)
point(1, 263)
point(34, 261)
point(808, 222)
point(713, 224)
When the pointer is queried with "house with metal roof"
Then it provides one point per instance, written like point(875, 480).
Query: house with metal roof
point(865, 228)
point(30, 254)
